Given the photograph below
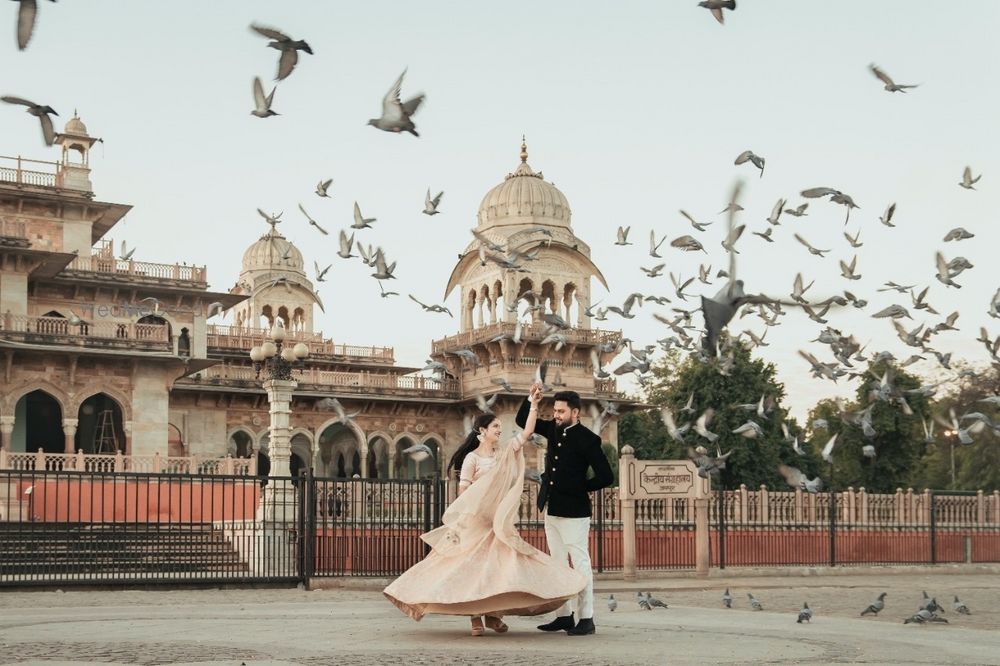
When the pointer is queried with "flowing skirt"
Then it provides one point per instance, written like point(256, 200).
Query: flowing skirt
point(478, 564)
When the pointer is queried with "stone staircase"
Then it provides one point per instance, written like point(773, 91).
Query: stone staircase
point(108, 551)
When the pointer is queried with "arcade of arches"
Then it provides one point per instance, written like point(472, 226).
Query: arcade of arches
point(338, 454)
point(98, 425)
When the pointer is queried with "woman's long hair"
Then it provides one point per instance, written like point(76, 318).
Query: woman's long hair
point(471, 443)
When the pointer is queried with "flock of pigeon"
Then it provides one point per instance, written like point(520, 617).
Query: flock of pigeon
point(714, 346)
point(930, 611)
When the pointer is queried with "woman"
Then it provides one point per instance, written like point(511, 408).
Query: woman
point(478, 564)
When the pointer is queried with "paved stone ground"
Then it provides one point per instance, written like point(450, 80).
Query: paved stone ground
point(357, 626)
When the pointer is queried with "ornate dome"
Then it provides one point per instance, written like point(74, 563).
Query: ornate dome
point(273, 252)
point(524, 194)
point(75, 126)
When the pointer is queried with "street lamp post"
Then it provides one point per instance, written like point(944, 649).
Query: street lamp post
point(276, 361)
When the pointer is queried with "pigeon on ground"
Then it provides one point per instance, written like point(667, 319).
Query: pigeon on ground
point(612, 603)
point(654, 602)
point(960, 608)
point(716, 7)
point(289, 48)
point(642, 601)
point(923, 617)
point(876, 606)
point(431, 204)
point(40, 111)
point(262, 103)
point(727, 599)
point(805, 615)
point(397, 116)
point(755, 602)
point(890, 85)
point(749, 156)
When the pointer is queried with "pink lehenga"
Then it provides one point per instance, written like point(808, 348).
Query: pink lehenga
point(478, 564)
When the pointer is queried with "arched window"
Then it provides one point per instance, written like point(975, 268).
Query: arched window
point(100, 428)
point(38, 424)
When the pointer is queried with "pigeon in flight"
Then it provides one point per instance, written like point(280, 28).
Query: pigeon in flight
point(419, 452)
point(430, 308)
point(431, 204)
point(322, 186)
point(716, 7)
point(836, 196)
point(886, 218)
point(262, 103)
point(359, 221)
point(383, 271)
point(700, 226)
point(749, 156)
point(957, 234)
point(796, 479)
point(26, 14)
point(346, 244)
point(890, 85)
point(289, 49)
point(126, 253)
point(313, 222)
point(812, 250)
point(321, 274)
point(397, 116)
point(622, 236)
point(967, 180)
point(798, 211)
point(334, 405)
point(40, 111)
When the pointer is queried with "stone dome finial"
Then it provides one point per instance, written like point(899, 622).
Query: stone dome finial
point(524, 151)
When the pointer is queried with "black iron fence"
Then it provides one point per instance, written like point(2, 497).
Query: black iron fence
point(66, 527)
point(129, 528)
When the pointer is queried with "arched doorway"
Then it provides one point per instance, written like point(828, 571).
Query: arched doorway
point(378, 458)
point(406, 468)
point(100, 429)
point(434, 465)
point(175, 442)
point(301, 454)
point(240, 444)
point(38, 424)
point(338, 452)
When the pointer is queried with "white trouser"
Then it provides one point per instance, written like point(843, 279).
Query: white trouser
point(569, 536)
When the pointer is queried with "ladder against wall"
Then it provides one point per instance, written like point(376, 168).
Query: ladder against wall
point(105, 440)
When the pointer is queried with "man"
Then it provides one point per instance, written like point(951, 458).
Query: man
point(572, 450)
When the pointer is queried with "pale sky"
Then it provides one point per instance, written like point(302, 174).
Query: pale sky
point(633, 109)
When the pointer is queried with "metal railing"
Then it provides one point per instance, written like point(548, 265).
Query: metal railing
point(123, 528)
point(12, 171)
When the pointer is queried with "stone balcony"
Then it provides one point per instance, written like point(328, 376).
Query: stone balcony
point(223, 338)
point(107, 334)
point(334, 383)
point(30, 173)
point(534, 332)
point(113, 270)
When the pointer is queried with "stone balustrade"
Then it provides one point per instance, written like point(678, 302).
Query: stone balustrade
point(533, 332)
point(119, 462)
point(236, 337)
point(105, 333)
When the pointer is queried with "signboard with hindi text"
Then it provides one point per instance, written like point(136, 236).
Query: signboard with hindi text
point(644, 479)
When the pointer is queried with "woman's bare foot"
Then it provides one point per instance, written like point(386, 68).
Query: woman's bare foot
point(477, 626)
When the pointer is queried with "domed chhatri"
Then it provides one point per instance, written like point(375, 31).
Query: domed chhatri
point(273, 252)
point(524, 197)
point(75, 126)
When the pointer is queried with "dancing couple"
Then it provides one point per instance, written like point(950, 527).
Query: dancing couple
point(478, 565)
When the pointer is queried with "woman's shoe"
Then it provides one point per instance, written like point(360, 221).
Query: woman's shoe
point(496, 624)
point(477, 626)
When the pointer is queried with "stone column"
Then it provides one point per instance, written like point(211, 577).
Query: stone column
point(702, 551)
point(127, 428)
point(6, 432)
point(628, 513)
point(278, 503)
point(69, 431)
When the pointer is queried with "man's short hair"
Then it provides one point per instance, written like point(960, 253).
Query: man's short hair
point(571, 398)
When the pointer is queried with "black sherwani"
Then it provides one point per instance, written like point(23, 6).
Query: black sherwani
point(570, 453)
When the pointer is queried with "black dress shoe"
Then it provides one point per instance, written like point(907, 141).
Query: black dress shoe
point(563, 623)
point(584, 627)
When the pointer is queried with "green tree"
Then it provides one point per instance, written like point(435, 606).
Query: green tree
point(753, 461)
